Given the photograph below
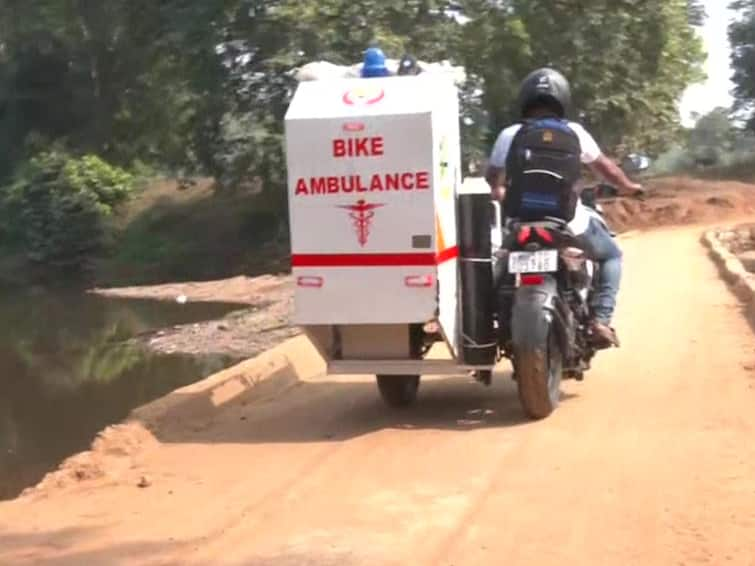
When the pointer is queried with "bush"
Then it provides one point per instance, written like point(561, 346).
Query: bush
point(676, 160)
point(57, 206)
point(90, 174)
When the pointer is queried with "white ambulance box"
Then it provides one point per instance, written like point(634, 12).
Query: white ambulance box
point(373, 172)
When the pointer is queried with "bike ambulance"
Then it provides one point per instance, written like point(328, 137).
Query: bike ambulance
point(391, 251)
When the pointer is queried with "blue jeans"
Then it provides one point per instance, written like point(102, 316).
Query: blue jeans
point(598, 242)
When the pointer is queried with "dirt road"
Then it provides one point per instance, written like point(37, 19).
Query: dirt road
point(650, 461)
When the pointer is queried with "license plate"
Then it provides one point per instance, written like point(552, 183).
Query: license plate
point(545, 261)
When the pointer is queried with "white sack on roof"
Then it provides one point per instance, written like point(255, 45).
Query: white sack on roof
point(324, 70)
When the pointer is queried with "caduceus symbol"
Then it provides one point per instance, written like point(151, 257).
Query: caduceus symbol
point(362, 214)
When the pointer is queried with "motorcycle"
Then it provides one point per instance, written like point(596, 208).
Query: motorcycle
point(544, 283)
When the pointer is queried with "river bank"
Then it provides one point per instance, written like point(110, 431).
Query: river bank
point(261, 322)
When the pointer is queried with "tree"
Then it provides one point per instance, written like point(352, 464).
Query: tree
point(95, 75)
point(742, 38)
point(242, 55)
point(712, 137)
point(205, 85)
point(696, 12)
point(629, 61)
point(176, 82)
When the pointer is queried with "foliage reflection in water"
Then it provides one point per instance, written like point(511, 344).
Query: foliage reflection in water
point(68, 369)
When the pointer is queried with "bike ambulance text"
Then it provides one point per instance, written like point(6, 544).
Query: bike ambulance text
point(367, 147)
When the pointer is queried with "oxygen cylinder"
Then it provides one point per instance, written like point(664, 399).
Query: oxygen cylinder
point(476, 266)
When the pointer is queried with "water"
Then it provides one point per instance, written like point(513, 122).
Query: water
point(68, 370)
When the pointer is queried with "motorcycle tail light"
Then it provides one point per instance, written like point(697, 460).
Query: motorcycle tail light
point(524, 234)
point(544, 235)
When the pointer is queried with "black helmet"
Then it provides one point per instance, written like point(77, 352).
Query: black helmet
point(545, 87)
point(408, 66)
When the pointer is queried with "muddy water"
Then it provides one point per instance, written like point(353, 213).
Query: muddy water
point(68, 368)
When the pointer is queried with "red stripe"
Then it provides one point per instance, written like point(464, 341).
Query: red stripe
point(448, 254)
point(374, 260)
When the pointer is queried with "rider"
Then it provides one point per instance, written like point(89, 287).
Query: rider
point(546, 93)
point(374, 63)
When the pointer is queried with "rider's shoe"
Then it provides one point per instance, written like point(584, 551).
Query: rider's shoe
point(603, 336)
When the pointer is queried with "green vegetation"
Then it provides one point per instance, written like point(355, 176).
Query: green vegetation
point(167, 234)
point(722, 143)
point(57, 205)
point(199, 89)
point(742, 38)
point(629, 61)
point(714, 148)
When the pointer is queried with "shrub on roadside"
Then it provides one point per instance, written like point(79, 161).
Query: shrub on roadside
point(57, 207)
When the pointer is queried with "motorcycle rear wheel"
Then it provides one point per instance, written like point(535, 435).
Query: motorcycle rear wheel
point(538, 377)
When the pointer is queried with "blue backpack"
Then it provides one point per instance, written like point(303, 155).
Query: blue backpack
point(542, 169)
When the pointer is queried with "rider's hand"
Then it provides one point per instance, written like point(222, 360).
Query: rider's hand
point(498, 194)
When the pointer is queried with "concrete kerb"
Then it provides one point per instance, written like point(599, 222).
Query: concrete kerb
point(733, 272)
point(263, 377)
